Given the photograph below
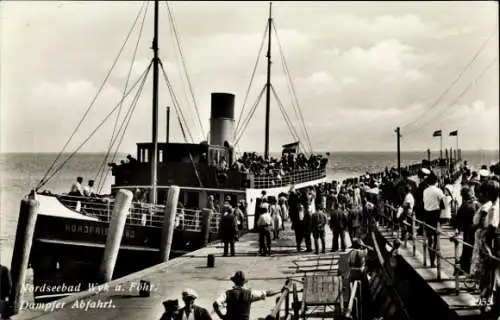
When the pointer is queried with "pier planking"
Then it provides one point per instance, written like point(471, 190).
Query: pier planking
point(189, 271)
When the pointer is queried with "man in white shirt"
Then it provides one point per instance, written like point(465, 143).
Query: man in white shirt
point(433, 204)
point(407, 212)
point(265, 225)
point(89, 191)
point(76, 188)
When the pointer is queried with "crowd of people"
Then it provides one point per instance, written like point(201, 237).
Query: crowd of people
point(289, 162)
point(470, 208)
point(310, 211)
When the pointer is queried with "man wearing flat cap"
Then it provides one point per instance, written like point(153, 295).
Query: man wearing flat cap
point(238, 300)
point(190, 310)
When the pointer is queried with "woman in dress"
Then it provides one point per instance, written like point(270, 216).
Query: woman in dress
point(480, 256)
point(276, 214)
point(445, 215)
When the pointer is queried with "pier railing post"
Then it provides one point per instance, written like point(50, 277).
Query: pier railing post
point(115, 233)
point(414, 234)
point(424, 243)
point(22, 247)
point(438, 251)
point(167, 232)
point(457, 262)
point(205, 225)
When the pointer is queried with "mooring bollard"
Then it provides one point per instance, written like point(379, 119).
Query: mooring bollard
point(144, 288)
point(205, 225)
point(22, 247)
point(210, 261)
point(115, 233)
point(167, 232)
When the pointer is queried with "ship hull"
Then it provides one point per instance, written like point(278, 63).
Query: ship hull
point(68, 246)
point(67, 251)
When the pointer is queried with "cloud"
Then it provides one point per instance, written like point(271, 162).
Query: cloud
point(358, 70)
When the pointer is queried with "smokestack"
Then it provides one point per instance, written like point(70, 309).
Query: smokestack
point(221, 118)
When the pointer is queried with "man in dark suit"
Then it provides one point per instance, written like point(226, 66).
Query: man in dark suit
point(190, 310)
point(228, 228)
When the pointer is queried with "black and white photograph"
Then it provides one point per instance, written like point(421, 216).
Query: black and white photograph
point(249, 160)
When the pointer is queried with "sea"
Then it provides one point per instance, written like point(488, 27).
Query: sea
point(21, 172)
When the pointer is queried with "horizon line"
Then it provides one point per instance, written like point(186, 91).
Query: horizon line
point(249, 151)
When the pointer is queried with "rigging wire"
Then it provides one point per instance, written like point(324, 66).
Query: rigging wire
point(287, 71)
point(89, 108)
point(102, 168)
point(125, 126)
point(143, 77)
point(175, 102)
point(252, 78)
point(289, 88)
point(287, 119)
point(454, 82)
point(293, 106)
point(179, 47)
point(249, 116)
point(290, 127)
point(483, 72)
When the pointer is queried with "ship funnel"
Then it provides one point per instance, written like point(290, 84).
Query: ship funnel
point(222, 118)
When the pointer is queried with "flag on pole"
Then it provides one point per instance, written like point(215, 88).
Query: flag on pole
point(454, 133)
point(437, 133)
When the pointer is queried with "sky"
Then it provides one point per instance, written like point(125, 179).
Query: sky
point(358, 70)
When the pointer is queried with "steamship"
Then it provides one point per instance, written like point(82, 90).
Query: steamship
point(71, 232)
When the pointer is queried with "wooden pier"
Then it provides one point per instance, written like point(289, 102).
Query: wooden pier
point(119, 299)
point(458, 291)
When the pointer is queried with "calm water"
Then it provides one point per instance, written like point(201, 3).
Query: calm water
point(21, 172)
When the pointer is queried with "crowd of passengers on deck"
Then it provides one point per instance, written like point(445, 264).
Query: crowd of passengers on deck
point(290, 162)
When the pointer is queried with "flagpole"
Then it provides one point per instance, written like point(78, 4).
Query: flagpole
point(441, 146)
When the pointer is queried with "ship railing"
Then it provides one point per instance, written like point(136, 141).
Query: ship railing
point(140, 214)
point(299, 176)
point(388, 218)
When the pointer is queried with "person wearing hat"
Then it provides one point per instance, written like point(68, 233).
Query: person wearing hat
point(171, 309)
point(238, 299)
point(258, 205)
point(190, 311)
point(228, 228)
point(318, 222)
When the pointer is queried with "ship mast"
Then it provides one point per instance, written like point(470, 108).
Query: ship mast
point(154, 151)
point(268, 84)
